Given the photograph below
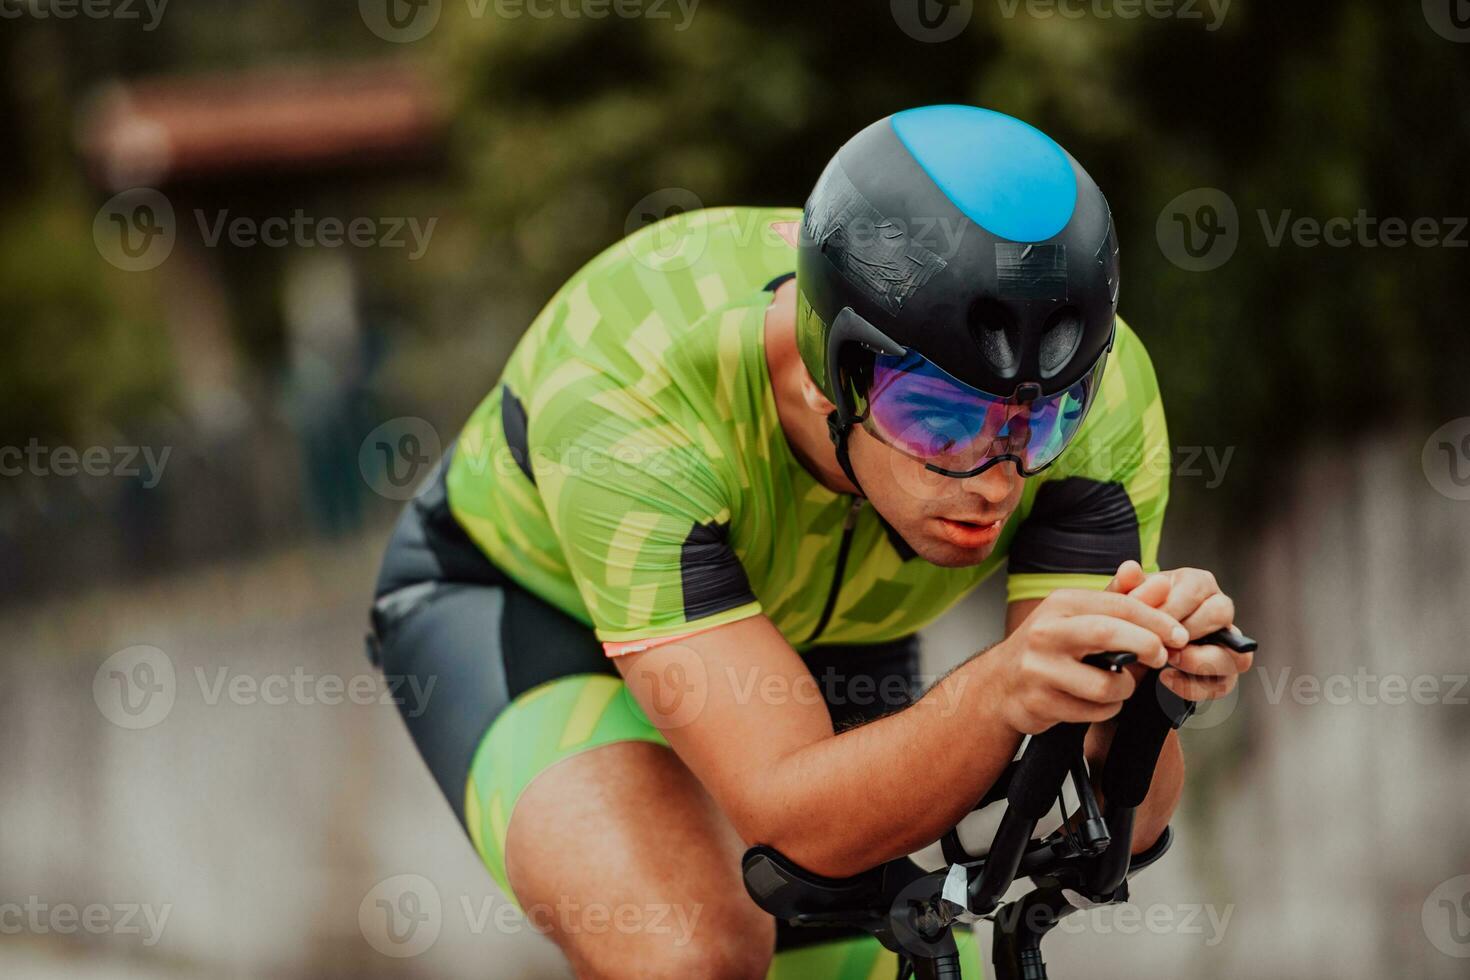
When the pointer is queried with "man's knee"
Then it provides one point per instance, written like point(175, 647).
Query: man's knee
point(733, 945)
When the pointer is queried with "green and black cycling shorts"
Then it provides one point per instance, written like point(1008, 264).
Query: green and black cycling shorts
point(518, 685)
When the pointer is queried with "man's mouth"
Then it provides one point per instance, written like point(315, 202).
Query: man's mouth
point(969, 534)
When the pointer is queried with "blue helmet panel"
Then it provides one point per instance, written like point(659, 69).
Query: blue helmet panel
point(1006, 176)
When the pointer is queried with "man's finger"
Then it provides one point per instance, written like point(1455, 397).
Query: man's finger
point(1195, 688)
point(1066, 708)
point(1156, 591)
point(1128, 577)
point(1191, 588)
point(1211, 661)
point(1101, 633)
point(1214, 612)
point(1078, 602)
point(1087, 683)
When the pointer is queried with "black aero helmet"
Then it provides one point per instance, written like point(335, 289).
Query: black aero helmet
point(957, 277)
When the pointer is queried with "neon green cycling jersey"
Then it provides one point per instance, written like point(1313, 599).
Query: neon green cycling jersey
point(630, 466)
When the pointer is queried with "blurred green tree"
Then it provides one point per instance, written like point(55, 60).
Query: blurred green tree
point(563, 125)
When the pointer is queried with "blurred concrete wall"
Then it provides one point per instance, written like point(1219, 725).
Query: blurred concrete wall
point(247, 818)
point(259, 803)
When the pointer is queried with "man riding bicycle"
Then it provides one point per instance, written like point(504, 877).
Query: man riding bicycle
point(744, 449)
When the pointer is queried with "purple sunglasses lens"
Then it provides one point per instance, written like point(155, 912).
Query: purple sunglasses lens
point(926, 413)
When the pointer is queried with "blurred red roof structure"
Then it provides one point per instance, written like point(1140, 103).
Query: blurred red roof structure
point(297, 121)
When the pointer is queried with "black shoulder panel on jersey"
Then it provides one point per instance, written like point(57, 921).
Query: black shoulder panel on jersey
point(513, 421)
point(1077, 526)
point(713, 578)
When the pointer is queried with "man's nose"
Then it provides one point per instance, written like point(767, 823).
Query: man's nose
point(995, 484)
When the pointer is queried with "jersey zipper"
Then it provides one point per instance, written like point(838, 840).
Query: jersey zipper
point(848, 524)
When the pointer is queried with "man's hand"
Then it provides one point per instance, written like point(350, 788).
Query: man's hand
point(1043, 680)
point(1193, 597)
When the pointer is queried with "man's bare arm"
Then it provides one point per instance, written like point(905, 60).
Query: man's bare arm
point(752, 726)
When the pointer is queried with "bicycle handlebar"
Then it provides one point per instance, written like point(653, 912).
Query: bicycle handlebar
point(1097, 870)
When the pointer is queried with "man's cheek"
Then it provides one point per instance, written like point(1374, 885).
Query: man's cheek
point(914, 481)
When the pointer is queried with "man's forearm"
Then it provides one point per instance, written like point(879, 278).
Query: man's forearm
point(865, 796)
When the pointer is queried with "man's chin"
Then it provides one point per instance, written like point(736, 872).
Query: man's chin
point(947, 555)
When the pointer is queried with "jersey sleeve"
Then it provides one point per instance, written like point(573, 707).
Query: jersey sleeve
point(641, 513)
point(1103, 502)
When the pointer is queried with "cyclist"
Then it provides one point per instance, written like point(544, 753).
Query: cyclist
point(669, 577)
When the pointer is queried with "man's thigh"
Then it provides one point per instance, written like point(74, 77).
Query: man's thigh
point(555, 770)
point(620, 855)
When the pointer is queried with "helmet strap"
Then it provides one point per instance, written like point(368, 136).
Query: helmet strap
point(838, 428)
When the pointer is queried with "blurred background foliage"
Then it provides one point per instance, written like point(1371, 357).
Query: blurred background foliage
point(559, 127)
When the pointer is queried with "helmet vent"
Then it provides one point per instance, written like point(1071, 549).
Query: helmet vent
point(1060, 338)
point(995, 330)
